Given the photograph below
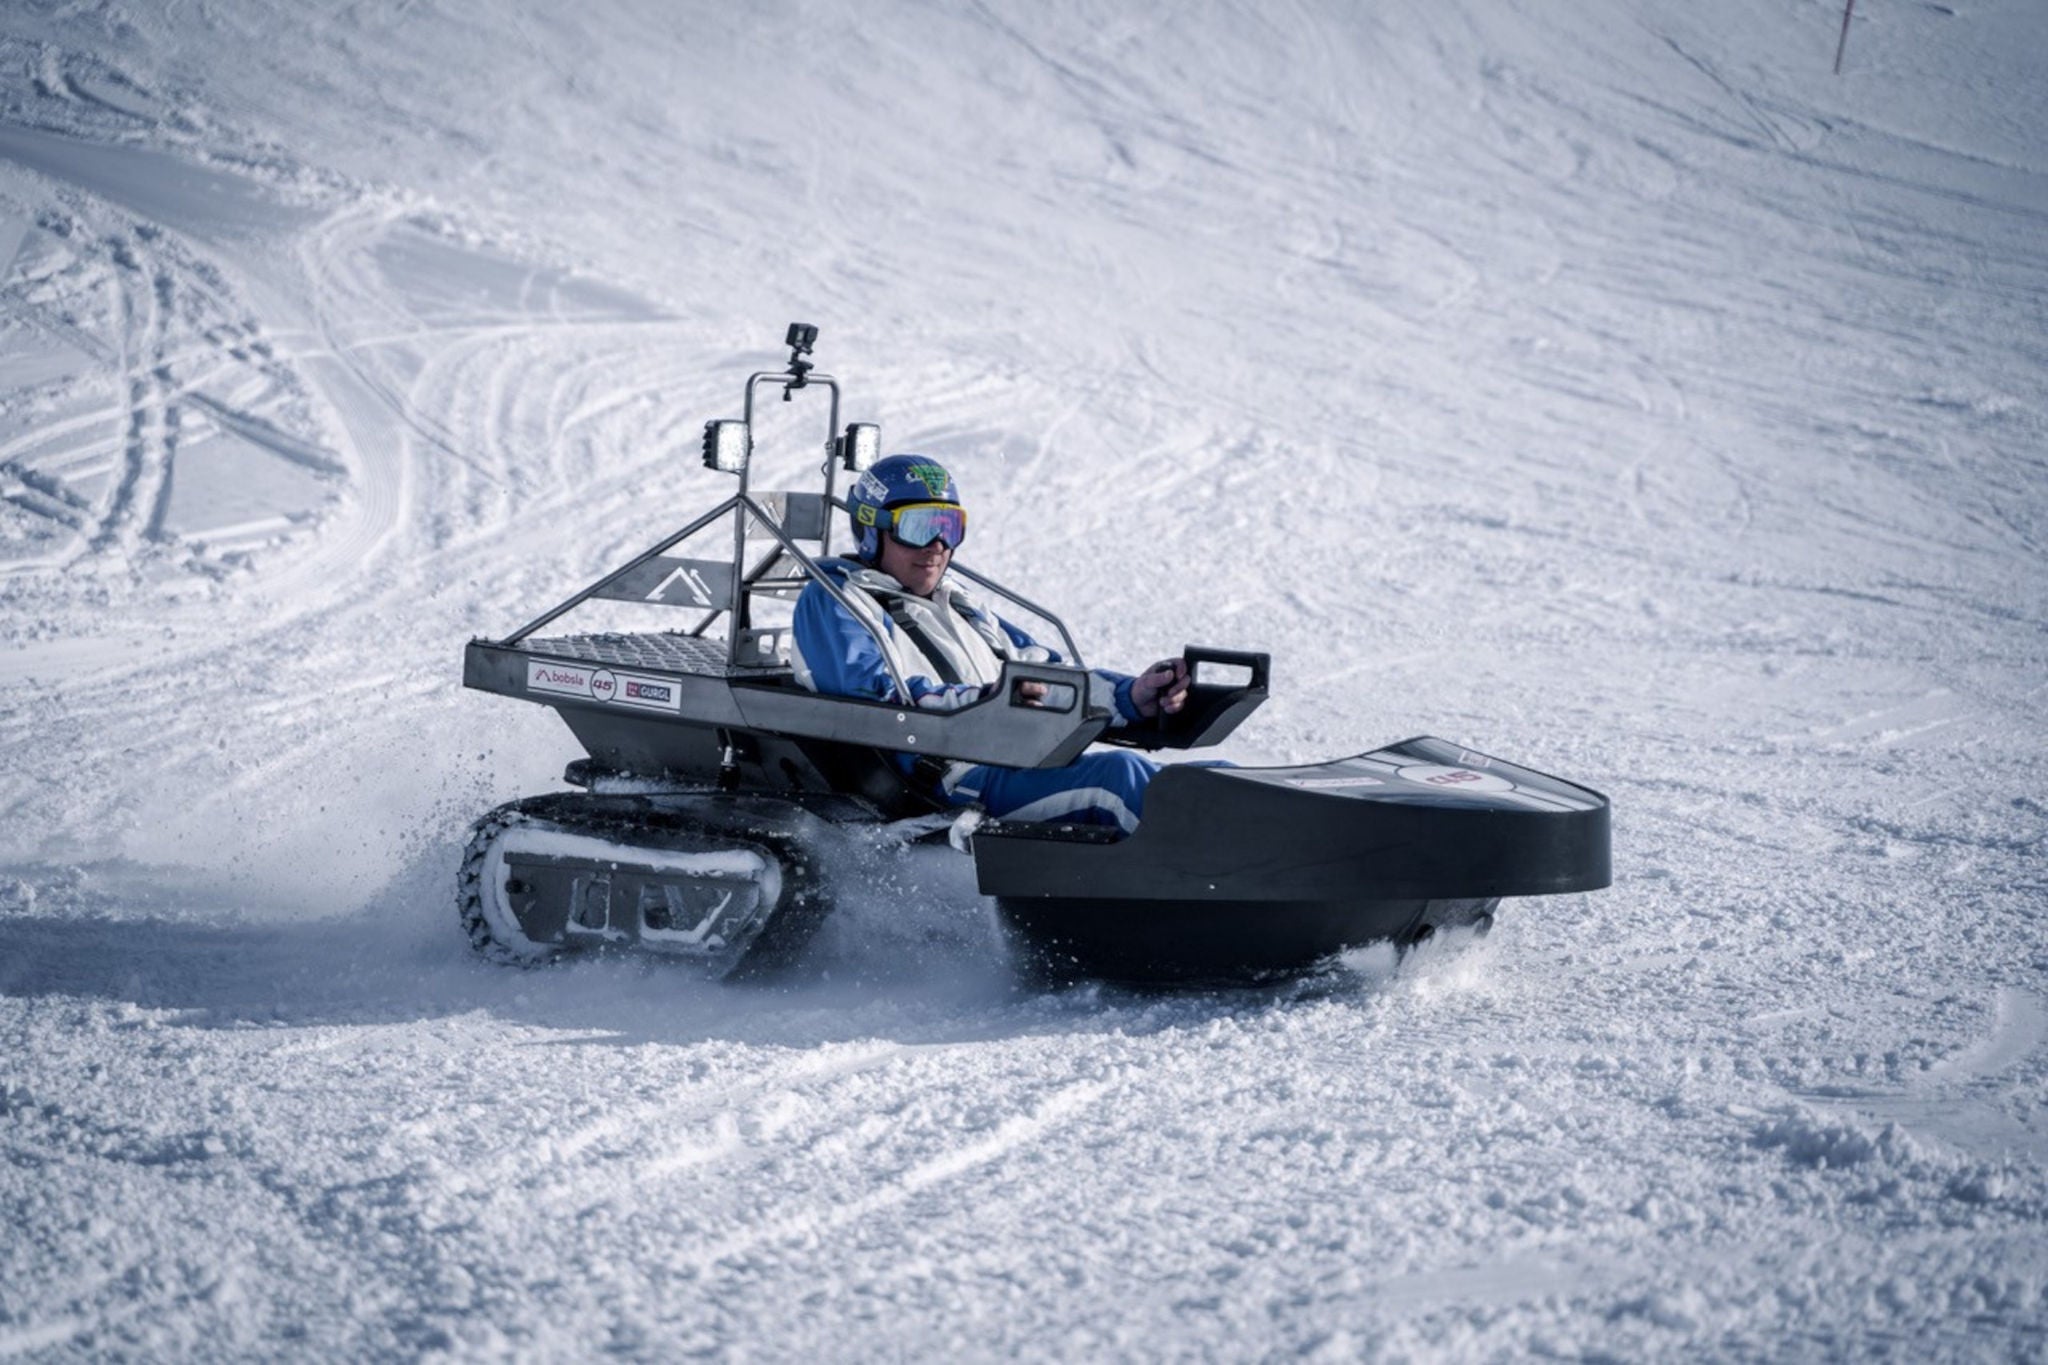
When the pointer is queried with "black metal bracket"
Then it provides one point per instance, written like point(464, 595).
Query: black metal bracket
point(1212, 711)
point(802, 336)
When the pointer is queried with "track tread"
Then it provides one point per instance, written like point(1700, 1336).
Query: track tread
point(630, 822)
point(469, 895)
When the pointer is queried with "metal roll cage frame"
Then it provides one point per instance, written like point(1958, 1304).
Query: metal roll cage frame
point(742, 505)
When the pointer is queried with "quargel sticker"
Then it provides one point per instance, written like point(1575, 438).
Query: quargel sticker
point(1454, 779)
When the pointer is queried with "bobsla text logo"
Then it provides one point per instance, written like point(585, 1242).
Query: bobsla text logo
point(574, 681)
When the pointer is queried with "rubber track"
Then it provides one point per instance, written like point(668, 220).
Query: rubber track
point(610, 826)
point(469, 892)
point(630, 831)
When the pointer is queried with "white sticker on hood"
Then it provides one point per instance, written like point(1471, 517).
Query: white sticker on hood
point(1454, 779)
point(1322, 783)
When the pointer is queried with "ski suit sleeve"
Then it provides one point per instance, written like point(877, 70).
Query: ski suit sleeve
point(845, 660)
point(1126, 709)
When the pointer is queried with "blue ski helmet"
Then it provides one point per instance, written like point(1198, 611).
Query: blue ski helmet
point(898, 481)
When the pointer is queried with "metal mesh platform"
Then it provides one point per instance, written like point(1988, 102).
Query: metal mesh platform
point(663, 652)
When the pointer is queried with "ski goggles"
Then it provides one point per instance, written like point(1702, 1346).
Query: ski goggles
point(920, 523)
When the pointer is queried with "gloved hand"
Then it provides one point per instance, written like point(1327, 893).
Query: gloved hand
point(1162, 687)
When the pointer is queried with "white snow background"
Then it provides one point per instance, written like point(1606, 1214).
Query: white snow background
point(1607, 386)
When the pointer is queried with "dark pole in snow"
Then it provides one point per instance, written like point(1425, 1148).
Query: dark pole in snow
point(1848, 8)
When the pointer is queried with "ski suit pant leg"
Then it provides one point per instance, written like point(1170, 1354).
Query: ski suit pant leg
point(1096, 789)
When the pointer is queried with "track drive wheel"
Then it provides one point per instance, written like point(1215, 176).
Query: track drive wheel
point(490, 926)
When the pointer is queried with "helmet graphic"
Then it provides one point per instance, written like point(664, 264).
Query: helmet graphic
point(899, 481)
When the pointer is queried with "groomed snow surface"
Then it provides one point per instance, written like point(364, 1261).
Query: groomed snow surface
point(1606, 386)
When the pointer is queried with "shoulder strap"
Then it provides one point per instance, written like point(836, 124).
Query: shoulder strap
point(980, 620)
point(937, 629)
point(919, 636)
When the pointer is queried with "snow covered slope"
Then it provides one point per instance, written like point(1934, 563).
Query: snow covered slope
point(1607, 386)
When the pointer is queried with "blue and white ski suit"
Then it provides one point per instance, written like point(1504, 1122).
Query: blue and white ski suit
point(832, 652)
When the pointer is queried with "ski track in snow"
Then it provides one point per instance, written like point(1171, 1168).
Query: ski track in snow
point(1615, 391)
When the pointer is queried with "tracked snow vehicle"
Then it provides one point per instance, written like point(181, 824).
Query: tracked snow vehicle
point(720, 799)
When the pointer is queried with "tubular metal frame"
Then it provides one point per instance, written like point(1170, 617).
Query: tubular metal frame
point(744, 506)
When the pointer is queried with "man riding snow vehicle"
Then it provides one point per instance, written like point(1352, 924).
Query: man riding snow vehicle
point(797, 714)
point(949, 649)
